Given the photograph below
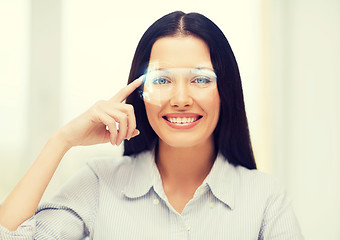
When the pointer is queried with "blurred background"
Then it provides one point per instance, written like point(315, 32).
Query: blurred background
point(57, 58)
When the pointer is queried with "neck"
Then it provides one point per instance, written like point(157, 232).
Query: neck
point(185, 166)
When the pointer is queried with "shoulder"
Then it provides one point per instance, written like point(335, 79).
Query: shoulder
point(107, 166)
point(91, 180)
point(242, 179)
point(260, 190)
point(116, 169)
point(265, 196)
point(256, 180)
point(249, 187)
point(242, 188)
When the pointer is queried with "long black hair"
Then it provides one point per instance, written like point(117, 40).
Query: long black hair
point(231, 135)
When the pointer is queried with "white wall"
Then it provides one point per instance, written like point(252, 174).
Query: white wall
point(58, 57)
point(14, 75)
point(305, 58)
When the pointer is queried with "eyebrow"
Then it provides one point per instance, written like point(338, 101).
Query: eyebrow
point(161, 69)
point(166, 69)
point(204, 68)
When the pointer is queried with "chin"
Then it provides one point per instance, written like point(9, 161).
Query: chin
point(181, 141)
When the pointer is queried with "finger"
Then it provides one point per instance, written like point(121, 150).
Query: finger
point(126, 91)
point(111, 127)
point(124, 115)
point(135, 133)
point(131, 120)
point(122, 120)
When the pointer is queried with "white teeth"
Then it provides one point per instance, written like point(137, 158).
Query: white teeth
point(181, 120)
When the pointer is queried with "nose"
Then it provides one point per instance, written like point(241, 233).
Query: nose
point(181, 97)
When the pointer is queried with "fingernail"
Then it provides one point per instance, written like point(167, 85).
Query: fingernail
point(138, 132)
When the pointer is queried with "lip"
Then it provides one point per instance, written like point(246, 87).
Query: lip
point(182, 115)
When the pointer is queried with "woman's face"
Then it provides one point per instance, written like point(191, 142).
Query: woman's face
point(186, 115)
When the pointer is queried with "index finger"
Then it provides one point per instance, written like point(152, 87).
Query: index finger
point(126, 91)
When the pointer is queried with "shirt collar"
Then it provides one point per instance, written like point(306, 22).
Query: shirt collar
point(145, 175)
point(221, 181)
point(142, 175)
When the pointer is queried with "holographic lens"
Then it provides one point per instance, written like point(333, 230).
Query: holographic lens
point(161, 85)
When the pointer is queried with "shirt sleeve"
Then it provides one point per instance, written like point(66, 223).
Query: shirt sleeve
point(68, 215)
point(279, 222)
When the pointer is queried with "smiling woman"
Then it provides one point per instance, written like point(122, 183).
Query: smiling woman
point(188, 169)
point(183, 102)
point(193, 41)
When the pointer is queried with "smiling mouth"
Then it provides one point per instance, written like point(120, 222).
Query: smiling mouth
point(182, 120)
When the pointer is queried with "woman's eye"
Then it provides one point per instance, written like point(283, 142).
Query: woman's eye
point(202, 80)
point(160, 81)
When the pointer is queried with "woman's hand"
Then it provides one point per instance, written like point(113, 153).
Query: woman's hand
point(87, 129)
point(98, 124)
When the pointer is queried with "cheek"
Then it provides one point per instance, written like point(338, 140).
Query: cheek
point(209, 102)
point(152, 112)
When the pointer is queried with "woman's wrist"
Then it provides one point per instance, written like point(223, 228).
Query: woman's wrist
point(60, 139)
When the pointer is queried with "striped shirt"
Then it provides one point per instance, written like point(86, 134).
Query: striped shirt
point(124, 199)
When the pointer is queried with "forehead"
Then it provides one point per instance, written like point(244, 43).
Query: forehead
point(180, 52)
point(183, 72)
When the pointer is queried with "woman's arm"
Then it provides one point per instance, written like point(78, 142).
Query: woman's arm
point(88, 129)
point(23, 201)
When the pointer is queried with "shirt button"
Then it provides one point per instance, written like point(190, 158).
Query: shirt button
point(187, 227)
point(155, 201)
point(211, 205)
